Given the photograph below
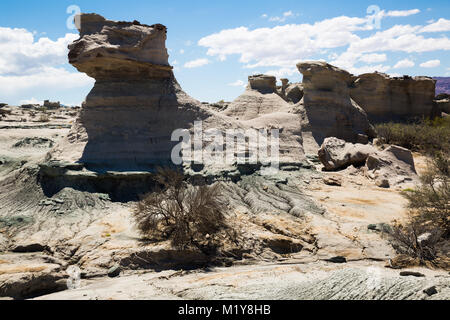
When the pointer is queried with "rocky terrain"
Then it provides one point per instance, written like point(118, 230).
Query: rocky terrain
point(315, 229)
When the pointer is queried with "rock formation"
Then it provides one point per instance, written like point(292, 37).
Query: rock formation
point(328, 109)
point(390, 167)
point(51, 105)
point(128, 117)
point(291, 92)
point(444, 105)
point(337, 154)
point(394, 99)
point(259, 98)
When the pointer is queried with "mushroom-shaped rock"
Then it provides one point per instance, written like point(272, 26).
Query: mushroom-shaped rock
point(127, 119)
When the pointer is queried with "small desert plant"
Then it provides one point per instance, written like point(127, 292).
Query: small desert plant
point(190, 216)
point(424, 135)
point(44, 118)
point(416, 241)
point(425, 236)
point(430, 202)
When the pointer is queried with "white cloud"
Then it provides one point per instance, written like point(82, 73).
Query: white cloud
point(182, 51)
point(283, 72)
point(431, 64)
point(29, 65)
point(373, 57)
point(264, 15)
point(196, 63)
point(283, 46)
point(31, 101)
point(402, 13)
point(283, 18)
point(238, 83)
point(21, 53)
point(405, 63)
point(57, 78)
point(438, 26)
point(174, 62)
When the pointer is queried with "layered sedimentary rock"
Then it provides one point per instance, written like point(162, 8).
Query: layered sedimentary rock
point(328, 109)
point(128, 117)
point(394, 99)
point(259, 98)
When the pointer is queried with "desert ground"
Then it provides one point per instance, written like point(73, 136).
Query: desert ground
point(318, 227)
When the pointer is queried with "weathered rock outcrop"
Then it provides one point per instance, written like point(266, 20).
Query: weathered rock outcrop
point(337, 154)
point(259, 98)
point(294, 92)
point(394, 99)
point(390, 167)
point(291, 92)
point(444, 105)
point(329, 110)
point(128, 117)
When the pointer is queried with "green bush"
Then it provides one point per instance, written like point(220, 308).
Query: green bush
point(426, 235)
point(425, 135)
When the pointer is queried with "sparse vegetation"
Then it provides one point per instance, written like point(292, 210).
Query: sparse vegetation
point(425, 135)
point(44, 118)
point(190, 216)
point(425, 237)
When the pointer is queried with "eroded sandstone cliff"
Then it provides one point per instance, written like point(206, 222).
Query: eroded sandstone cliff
point(394, 99)
point(328, 109)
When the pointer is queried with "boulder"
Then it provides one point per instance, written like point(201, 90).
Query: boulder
point(328, 109)
point(337, 154)
point(294, 92)
point(444, 105)
point(390, 167)
point(394, 99)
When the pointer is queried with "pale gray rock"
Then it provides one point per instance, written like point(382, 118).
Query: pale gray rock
point(337, 154)
point(391, 167)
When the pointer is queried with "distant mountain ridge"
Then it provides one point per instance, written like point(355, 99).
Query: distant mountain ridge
point(442, 85)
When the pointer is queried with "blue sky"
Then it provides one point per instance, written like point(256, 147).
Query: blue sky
point(215, 45)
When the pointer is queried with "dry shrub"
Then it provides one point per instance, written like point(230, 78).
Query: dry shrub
point(44, 118)
point(190, 216)
point(425, 236)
